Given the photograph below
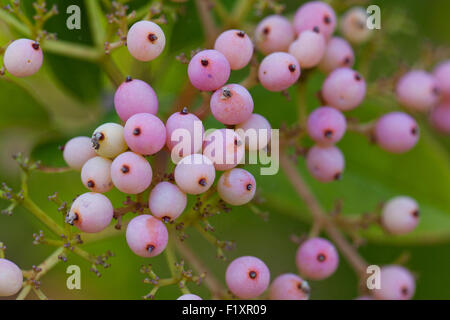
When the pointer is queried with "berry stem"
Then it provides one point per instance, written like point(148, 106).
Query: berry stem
point(40, 294)
point(207, 19)
point(96, 19)
point(42, 216)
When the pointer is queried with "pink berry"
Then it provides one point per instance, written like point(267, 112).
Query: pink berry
point(145, 40)
point(184, 125)
point(289, 286)
point(338, 54)
point(440, 118)
point(325, 163)
point(167, 201)
point(344, 89)
point(442, 75)
point(364, 298)
point(256, 132)
point(354, 25)
point(274, 33)
point(247, 277)
point(317, 258)
point(326, 125)
point(145, 134)
point(236, 187)
point(11, 278)
point(147, 236)
point(397, 283)
point(91, 212)
point(396, 132)
point(278, 71)
point(195, 174)
point(77, 151)
point(236, 46)
point(308, 49)
point(96, 175)
point(23, 58)
point(209, 70)
point(232, 104)
point(189, 297)
point(400, 215)
point(225, 148)
point(417, 90)
point(315, 14)
point(131, 173)
point(135, 96)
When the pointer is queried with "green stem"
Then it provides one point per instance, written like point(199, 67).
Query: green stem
point(96, 19)
point(171, 260)
point(42, 216)
point(113, 72)
point(40, 294)
point(241, 10)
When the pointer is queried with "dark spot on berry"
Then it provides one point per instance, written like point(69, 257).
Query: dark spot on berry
point(266, 30)
point(36, 46)
point(327, 19)
point(91, 184)
point(249, 187)
point(241, 34)
point(316, 29)
point(205, 62)
point(358, 77)
point(61, 148)
point(292, 67)
point(184, 111)
point(96, 138)
point(416, 213)
point(304, 287)
point(129, 79)
point(347, 60)
point(404, 290)
point(137, 131)
point(436, 91)
point(152, 37)
point(166, 219)
point(265, 72)
point(202, 182)
point(328, 133)
point(321, 257)
point(252, 274)
point(125, 169)
point(226, 93)
point(414, 131)
point(150, 248)
point(338, 176)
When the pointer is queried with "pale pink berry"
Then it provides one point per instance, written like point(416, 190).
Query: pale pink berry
point(167, 202)
point(308, 49)
point(315, 14)
point(440, 118)
point(225, 148)
point(145, 40)
point(147, 236)
point(442, 75)
point(209, 70)
point(400, 215)
point(273, 34)
point(145, 134)
point(397, 283)
point(417, 90)
point(232, 104)
point(396, 132)
point(256, 132)
point(91, 212)
point(338, 54)
point(326, 125)
point(353, 25)
point(77, 151)
point(325, 163)
point(289, 286)
point(96, 175)
point(247, 277)
point(278, 71)
point(11, 278)
point(236, 46)
point(131, 173)
point(317, 259)
point(135, 96)
point(236, 187)
point(195, 174)
point(23, 58)
point(189, 297)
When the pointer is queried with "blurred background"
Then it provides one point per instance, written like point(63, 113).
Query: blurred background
point(71, 97)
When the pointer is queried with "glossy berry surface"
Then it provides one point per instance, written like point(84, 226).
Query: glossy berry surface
point(440, 118)
point(326, 125)
point(96, 175)
point(236, 46)
point(396, 132)
point(289, 286)
point(232, 104)
point(400, 215)
point(225, 148)
point(167, 202)
point(278, 71)
point(325, 163)
point(317, 259)
point(184, 133)
point(353, 25)
point(247, 277)
point(108, 140)
point(315, 14)
point(195, 174)
point(338, 54)
point(308, 49)
point(23, 58)
point(91, 212)
point(147, 236)
point(417, 90)
point(135, 96)
point(236, 187)
point(131, 173)
point(77, 151)
point(397, 283)
point(256, 132)
point(11, 278)
point(273, 34)
point(145, 40)
point(145, 134)
point(344, 89)
point(209, 70)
